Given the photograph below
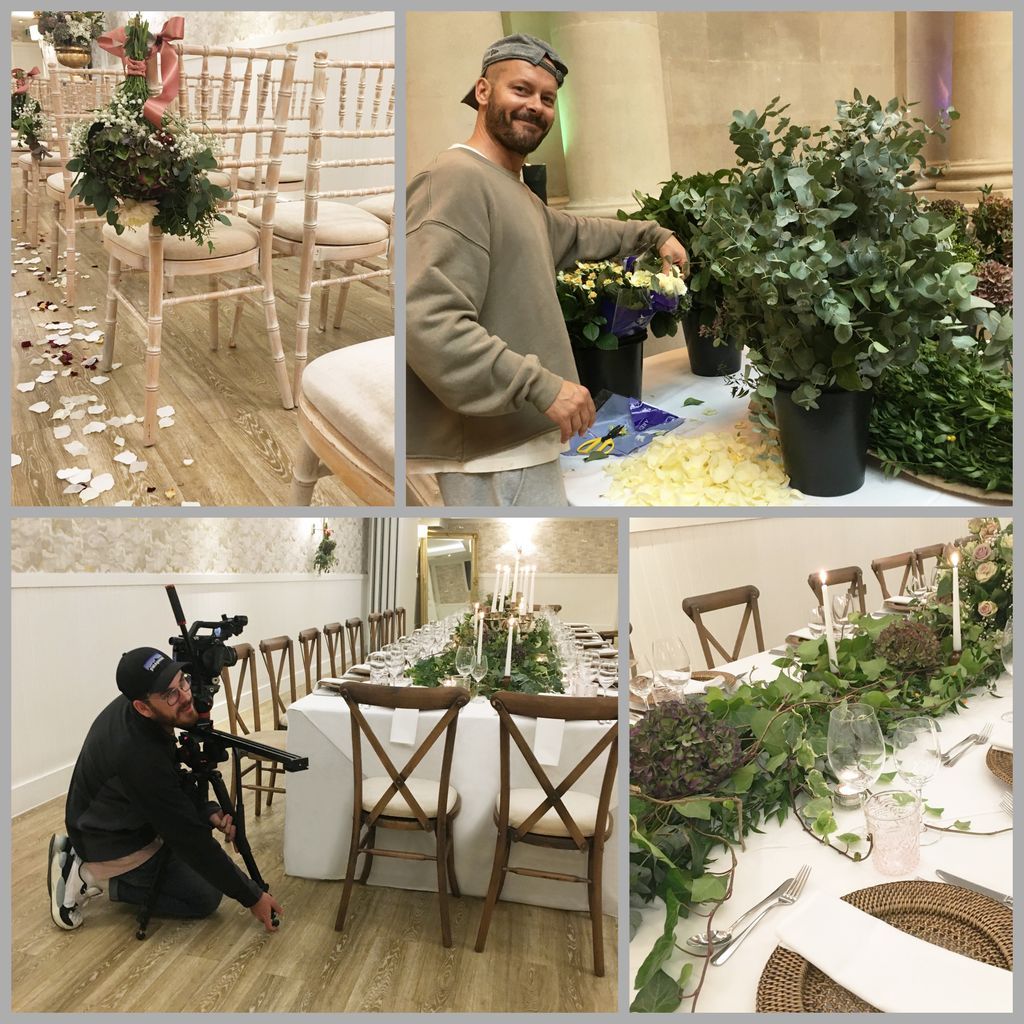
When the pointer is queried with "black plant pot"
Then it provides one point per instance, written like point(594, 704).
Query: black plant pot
point(825, 450)
point(706, 358)
point(619, 370)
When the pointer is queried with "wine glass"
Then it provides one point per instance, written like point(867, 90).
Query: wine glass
point(1007, 653)
point(917, 585)
point(641, 681)
point(378, 668)
point(840, 612)
point(607, 676)
point(915, 748)
point(816, 621)
point(464, 661)
point(855, 748)
point(478, 668)
point(671, 663)
point(395, 661)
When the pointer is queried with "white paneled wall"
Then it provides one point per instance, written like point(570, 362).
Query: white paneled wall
point(671, 559)
point(590, 598)
point(68, 632)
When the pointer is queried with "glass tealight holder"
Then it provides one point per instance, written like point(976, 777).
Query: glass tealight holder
point(894, 822)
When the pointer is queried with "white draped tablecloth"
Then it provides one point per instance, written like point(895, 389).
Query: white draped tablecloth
point(318, 813)
point(668, 383)
point(967, 791)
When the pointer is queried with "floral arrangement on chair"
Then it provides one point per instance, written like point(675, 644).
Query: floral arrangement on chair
point(27, 117)
point(71, 28)
point(611, 299)
point(324, 557)
point(136, 164)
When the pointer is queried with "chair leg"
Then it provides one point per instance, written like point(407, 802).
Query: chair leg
point(214, 314)
point(325, 298)
point(346, 892)
point(501, 852)
point(595, 858)
point(27, 178)
point(273, 783)
point(55, 240)
point(441, 843)
point(371, 839)
point(259, 788)
point(110, 324)
point(305, 473)
point(236, 320)
point(284, 386)
point(339, 309)
point(156, 323)
point(70, 254)
point(453, 882)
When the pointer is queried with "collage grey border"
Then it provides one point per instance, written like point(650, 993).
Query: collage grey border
point(401, 508)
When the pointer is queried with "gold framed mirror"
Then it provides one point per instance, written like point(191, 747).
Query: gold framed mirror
point(447, 574)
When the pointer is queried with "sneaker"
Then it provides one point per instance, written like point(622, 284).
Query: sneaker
point(60, 860)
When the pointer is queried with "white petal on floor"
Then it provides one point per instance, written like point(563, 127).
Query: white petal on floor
point(187, 462)
point(46, 376)
point(119, 441)
point(138, 467)
point(88, 494)
point(123, 504)
point(87, 324)
point(29, 385)
point(96, 427)
point(167, 421)
point(15, 460)
point(74, 488)
point(166, 410)
point(126, 458)
point(116, 366)
point(20, 295)
point(38, 361)
point(75, 475)
point(98, 380)
point(60, 414)
point(75, 448)
point(39, 407)
point(78, 414)
point(86, 309)
point(90, 362)
point(96, 336)
point(61, 432)
point(96, 410)
point(191, 504)
point(104, 482)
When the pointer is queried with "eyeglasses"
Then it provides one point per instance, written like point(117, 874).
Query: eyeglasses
point(171, 697)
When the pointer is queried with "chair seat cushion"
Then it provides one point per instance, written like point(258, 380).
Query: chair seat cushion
point(337, 224)
point(353, 388)
point(28, 161)
point(55, 184)
point(382, 207)
point(288, 176)
point(582, 808)
point(424, 791)
point(227, 241)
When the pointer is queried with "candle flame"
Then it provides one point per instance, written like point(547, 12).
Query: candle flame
point(955, 558)
point(823, 576)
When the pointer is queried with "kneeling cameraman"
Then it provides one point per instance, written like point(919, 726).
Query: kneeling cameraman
point(128, 809)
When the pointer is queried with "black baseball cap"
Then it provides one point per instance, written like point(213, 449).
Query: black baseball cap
point(520, 47)
point(144, 671)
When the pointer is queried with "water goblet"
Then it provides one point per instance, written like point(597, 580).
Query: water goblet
point(915, 748)
point(464, 662)
point(855, 748)
point(671, 663)
point(478, 668)
point(378, 668)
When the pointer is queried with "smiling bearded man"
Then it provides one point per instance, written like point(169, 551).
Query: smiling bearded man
point(492, 390)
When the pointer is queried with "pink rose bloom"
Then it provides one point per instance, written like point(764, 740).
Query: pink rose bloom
point(989, 530)
point(983, 552)
point(985, 571)
point(986, 608)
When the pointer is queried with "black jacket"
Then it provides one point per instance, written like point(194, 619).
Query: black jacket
point(127, 789)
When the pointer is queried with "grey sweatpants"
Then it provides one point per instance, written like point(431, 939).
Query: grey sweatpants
point(536, 487)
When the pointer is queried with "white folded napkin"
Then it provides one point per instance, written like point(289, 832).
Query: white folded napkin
point(1002, 736)
point(403, 725)
point(547, 740)
point(804, 633)
point(900, 599)
point(893, 971)
point(701, 685)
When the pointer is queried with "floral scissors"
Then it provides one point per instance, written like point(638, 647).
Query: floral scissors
point(598, 447)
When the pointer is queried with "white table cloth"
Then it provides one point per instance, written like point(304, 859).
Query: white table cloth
point(318, 811)
point(968, 791)
point(668, 383)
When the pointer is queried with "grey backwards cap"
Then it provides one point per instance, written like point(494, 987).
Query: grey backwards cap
point(520, 47)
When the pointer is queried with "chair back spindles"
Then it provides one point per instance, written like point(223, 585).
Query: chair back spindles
point(849, 576)
point(695, 607)
point(906, 560)
point(234, 692)
point(310, 651)
point(334, 641)
point(354, 631)
point(283, 649)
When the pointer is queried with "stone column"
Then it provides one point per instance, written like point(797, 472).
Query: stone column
point(612, 108)
point(436, 81)
point(981, 141)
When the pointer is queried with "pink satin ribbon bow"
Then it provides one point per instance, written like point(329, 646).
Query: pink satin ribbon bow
point(174, 28)
point(26, 78)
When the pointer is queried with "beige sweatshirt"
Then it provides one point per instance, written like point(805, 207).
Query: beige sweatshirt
point(486, 344)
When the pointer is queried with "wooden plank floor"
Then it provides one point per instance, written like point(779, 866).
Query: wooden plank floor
point(388, 959)
point(228, 416)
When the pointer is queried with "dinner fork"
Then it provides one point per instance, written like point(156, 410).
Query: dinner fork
point(975, 738)
point(1006, 804)
point(786, 899)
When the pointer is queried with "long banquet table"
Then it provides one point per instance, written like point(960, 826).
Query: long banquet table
point(967, 791)
point(668, 383)
point(318, 814)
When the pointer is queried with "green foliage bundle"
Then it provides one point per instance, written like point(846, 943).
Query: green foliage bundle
point(993, 228)
point(535, 664)
point(831, 269)
point(324, 558)
point(782, 726)
point(31, 125)
point(134, 174)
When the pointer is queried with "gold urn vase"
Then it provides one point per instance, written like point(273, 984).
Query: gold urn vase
point(74, 56)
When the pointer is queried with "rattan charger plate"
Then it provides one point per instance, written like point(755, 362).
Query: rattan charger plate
point(946, 915)
point(728, 682)
point(1000, 764)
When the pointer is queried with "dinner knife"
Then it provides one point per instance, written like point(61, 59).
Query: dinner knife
point(999, 897)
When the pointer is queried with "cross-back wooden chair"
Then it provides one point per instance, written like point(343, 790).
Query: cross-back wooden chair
point(400, 629)
point(334, 642)
point(237, 246)
point(72, 95)
point(375, 627)
point(396, 800)
point(929, 552)
point(278, 654)
point(906, 560)
point(388, 625)
point(695, 607)
point(354, 632)
point(849, 576)
point(250, 726)
point(310, 649)
point(551, 814)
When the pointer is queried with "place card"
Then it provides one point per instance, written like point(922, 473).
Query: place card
point(547, 741)
point(403, 726)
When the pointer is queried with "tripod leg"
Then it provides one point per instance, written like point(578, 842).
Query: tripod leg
point(146, 910)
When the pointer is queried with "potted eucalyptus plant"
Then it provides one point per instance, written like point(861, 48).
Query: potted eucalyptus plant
point(680, 207)
point(832, 271)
